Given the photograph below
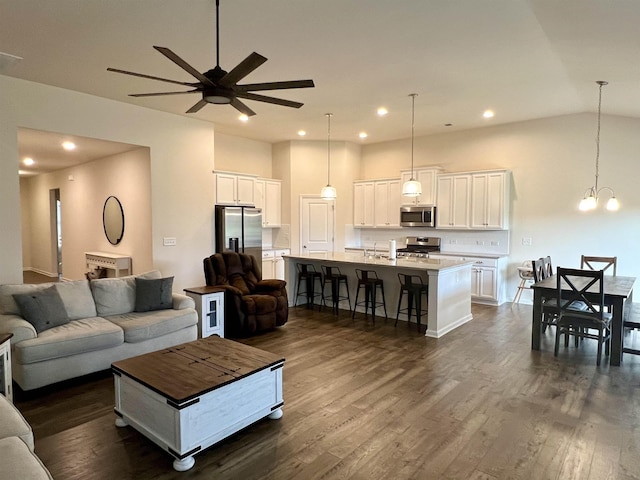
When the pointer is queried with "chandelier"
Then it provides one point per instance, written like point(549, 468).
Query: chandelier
point(591, 195)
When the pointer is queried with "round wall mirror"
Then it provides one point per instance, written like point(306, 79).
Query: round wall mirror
point(113, 220)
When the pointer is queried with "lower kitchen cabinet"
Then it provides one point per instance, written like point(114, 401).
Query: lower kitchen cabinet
point(273, 263)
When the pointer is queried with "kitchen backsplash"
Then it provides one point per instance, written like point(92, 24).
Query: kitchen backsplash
point(494, 241)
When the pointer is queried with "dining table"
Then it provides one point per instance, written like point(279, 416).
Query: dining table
point(618, 293)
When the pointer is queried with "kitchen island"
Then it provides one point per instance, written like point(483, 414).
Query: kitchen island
point(449, 302)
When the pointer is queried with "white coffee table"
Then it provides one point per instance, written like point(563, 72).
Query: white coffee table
point(188, 397)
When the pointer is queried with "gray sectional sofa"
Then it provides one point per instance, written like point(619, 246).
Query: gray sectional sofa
point(105, 320)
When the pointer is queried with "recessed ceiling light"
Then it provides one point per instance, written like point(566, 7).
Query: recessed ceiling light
point(301, 133)
point(243, 118)
point(68, 145)
point(382, 111)
point(488, 114)
point(363, 135)
point(28, 161)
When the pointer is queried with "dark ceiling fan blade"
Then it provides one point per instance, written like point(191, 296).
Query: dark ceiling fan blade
point(142, 75)
point(255, 87)
point(184, 65)
point(243, 69)
point(242, 108)
point(262, 98)
point(162, 93)
point(197, 106)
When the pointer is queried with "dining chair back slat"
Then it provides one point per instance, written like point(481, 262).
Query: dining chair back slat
point(599, 263)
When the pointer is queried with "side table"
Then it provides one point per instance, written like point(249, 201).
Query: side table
point(5, 366)
point(210, 307)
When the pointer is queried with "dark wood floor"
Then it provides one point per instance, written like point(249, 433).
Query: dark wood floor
point(378, 402)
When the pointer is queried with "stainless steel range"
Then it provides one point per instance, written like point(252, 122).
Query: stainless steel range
point(419, 247)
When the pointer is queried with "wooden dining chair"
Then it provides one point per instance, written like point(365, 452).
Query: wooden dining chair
point(578, 287)
point(548, 268)
point(598, 263)
point(550, 306)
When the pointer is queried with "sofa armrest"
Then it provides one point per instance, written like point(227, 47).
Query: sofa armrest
point(21, 329)
point(180, 301)
point(270, 285)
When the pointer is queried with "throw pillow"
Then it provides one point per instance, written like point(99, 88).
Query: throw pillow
point(43, 309)
point(153, 294)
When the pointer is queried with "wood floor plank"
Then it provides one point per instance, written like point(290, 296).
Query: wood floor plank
point(365, 401)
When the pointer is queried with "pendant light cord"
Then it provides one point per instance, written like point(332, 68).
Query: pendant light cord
point(328, 148)
point(601, 83)
point(218, 33)
point(413, 109)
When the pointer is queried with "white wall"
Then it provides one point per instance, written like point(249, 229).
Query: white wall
point(243, 155)
point(181, 151)
point(552, 162)
point(126, 176)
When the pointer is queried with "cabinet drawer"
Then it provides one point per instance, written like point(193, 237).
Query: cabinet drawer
point(482, 262)
point(266, 254)
point(279, 253)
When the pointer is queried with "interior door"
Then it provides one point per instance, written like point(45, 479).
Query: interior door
point(316, 225)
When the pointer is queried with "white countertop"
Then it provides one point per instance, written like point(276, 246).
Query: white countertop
point(358, 258)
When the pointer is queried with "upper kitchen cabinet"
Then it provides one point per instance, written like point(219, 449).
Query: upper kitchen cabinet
point(428, 180)
point(473, 200)
point(386, 203)
point(234, 189)
point(268, 197)
point(490, 200)
point(363, 198)
point(452, 203)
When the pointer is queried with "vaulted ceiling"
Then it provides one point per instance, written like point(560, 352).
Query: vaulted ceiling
point(523, 59)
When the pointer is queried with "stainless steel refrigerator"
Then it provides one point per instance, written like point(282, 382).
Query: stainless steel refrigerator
point(239, 229)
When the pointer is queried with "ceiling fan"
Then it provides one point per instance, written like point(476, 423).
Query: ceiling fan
point(221, 87)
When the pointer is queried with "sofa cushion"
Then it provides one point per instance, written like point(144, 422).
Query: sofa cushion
point(43, 309)
point(20, 462)
point(8, 305)
point(141, 326)
point(77, 336)
point(114, 296)
point(77, 299)
point(13, 424)
point(153, 294)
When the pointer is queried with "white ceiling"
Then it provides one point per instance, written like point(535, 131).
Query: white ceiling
point(524, 59)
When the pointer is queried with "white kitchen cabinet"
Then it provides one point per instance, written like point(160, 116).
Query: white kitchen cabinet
point(268, 197)
point(428, 180)
point(273, 263)
point(363, 202)
point(234, 189)
point(487, 277)
point(490, 200)
point(452, 204)
point(386, 203)
point(268, 264)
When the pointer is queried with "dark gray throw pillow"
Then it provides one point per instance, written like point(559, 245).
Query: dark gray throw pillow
point(43, 309)
point(153, 294)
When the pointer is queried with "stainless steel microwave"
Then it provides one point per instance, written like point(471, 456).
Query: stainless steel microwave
point(418, 216)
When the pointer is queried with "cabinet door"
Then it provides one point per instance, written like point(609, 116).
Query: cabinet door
point(363, 201)
point(394, 192)
point(245, 190)
point(271, 215)
point(483, 283)
point(460, 201)
point(258, 196)
point(225, 189)
point(444, 202)
point(381, 204)
point(278, 270)
point(268, 268)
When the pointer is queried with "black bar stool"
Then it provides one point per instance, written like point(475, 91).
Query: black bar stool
point(332, 274)
point(370, 281)
point(308, 273)
point(415, 288)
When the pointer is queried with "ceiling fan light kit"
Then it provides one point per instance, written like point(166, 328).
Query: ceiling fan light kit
point(220, 87)
point(412, 188)
point(591, 195)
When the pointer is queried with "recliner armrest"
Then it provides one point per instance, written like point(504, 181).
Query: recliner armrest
point(270, 285)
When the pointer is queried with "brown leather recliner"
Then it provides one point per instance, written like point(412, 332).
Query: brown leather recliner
point(251, 304)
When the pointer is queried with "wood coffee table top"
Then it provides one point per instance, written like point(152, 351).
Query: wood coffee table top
point(189, 370)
